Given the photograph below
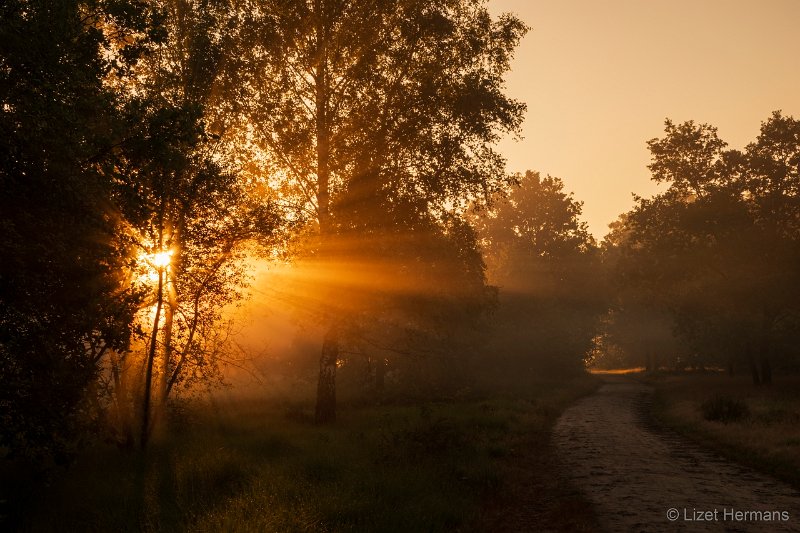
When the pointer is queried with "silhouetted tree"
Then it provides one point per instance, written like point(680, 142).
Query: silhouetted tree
point(543, 259)
point(381, 102)
point(64, 299)
point(192, 211)
point(718, 250)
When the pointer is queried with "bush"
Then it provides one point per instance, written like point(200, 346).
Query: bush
point(724, 409)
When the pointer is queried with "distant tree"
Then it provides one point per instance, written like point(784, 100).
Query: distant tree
point(430, 317)
point(718, 250)
point(770, 171)
point(690, 158)
point(377, 107)
point(542, 258)
point(636, 331)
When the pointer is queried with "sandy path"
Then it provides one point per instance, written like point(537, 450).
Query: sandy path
point(634, 473)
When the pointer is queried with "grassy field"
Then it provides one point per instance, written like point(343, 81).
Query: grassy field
point(257, 466)
point(756, 426)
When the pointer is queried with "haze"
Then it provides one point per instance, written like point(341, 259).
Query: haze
point(265, 267)
point(599, 79)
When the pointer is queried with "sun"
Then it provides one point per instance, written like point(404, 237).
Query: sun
point(162, 259)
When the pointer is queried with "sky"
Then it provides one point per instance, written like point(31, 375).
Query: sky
point(600, 78)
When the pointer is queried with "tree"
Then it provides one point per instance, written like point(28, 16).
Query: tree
point(636, 330)
point(430, 317)
point(64, 302)
point(190, 208)
point(718, 248)
point(385, 106)
point(542, 257)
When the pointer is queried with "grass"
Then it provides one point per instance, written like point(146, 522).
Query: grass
point(536, 494)
point(756, 426)
point(724, 409)
point(259, 466)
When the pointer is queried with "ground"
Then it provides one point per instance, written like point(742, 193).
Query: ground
point(640, 477)
point(477, 462)
point(553, 456)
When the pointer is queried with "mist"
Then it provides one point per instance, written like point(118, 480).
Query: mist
point(265, 268)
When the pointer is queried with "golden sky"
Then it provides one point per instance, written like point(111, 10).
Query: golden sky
point(600, 77)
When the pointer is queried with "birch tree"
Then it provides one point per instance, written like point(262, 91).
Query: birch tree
point(373, 103)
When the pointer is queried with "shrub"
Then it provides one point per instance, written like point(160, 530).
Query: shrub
point(724, 409)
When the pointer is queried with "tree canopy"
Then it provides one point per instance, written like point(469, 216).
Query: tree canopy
point(377, 116)
point(542, 258)
point(718, 250)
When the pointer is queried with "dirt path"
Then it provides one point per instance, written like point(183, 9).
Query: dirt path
point(634, 473)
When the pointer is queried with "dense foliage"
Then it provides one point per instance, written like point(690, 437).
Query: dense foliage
point(153, 145)
point(543, 259)
point(63, 299)
point(715, 256)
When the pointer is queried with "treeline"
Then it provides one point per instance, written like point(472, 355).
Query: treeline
point(707, 273)
point(704, 275)
point(154, 148)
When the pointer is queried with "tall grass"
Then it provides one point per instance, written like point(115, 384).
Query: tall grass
point(252, 465)
point(758, 426)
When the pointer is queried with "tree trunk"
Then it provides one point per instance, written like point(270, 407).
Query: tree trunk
point(766, 371)
point(765, 349)
point(326, 387)
point(121, 400)
point(151, 355)
point(159, 414)
point(171, 272)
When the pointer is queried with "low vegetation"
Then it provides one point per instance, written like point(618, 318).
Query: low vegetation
point(247, 465)
point(724, 409)
point(756, 426)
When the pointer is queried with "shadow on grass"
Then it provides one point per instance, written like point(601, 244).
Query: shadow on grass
point(256, 466)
